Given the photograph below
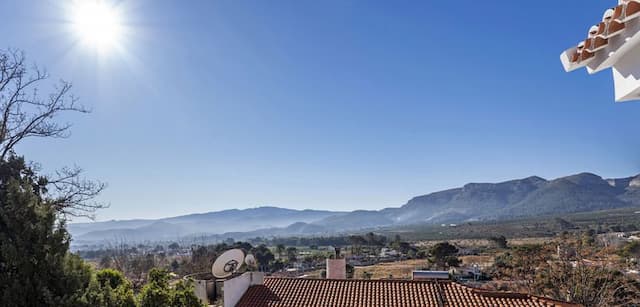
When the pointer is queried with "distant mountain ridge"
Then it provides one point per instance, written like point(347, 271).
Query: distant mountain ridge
point(233, 220)
point(509, 199)
point(472, 202)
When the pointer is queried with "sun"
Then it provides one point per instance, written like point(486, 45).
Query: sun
point(96, 23)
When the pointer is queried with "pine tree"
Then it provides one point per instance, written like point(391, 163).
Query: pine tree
point(35, 266)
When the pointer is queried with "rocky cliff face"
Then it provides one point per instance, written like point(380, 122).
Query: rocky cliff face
point(514, 198)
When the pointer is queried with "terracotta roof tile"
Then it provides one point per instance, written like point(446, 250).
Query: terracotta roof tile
point(614, 21)
point(292, 292)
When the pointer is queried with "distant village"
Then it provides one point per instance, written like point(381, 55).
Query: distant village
point(493, 264)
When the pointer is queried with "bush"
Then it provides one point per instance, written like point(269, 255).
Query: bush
point(499, 241)
point(157, 292)
point(109, 288)
point(183, 295)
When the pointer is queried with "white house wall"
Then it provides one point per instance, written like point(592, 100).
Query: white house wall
point(626, 76)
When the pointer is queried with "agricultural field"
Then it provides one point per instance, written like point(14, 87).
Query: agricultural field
point(625, 219)
point(395, 270)
point(402, 269)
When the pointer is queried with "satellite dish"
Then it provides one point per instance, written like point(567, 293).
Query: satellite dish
point(228, 263)
point(250, 261)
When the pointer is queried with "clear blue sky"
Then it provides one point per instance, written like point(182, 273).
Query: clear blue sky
point(212, 105)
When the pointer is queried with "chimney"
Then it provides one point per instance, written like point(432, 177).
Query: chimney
point(336, 268)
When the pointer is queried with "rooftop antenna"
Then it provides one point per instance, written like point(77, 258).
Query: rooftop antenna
point(228, 263)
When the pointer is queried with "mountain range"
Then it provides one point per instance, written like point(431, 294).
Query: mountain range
point(473, 202)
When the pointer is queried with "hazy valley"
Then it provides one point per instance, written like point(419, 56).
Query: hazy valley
point(519, 198)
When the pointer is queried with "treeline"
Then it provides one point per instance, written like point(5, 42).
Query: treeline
point(336, 241)
point(304, 241)
point(135, 262)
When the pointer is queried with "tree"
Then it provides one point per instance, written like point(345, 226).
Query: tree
point(280, 248)
point(174, 265)
point(356, 243)
point(25, 114)
point(521, 264)
point(138, 266)
point(183, 296)
point(174, 246)
point(589, 238)
point(276, 265)
point(263, 255)
point(105, 262)
point(157, 292)
point(373, 240)
point(631, 250)
point(111, 278)
point(499, 241)
point(35, 266)
point(578, 277)
point(350, 271)
point(292, 254)
point(586, 284)
point(443, 255)
point(524, 263)
point(201, 258)
point(403, 247)
point(109, 288)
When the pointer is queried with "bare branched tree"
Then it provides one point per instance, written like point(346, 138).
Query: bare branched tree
point(588, 282)
point(24, 113)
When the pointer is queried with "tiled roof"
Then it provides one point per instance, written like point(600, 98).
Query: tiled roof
point(297, 292)
point(603, 39)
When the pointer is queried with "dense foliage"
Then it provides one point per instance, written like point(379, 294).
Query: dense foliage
point(443, 255)
point(109, 288)
point(35, 266)
point(157, 292)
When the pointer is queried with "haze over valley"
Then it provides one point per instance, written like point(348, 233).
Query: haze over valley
point(473, 202)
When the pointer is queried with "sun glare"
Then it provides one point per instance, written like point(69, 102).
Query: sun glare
point(96, 23)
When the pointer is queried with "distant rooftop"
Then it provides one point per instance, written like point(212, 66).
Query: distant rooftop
point(291, 292)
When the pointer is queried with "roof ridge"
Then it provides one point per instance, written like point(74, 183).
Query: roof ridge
point(365, 280)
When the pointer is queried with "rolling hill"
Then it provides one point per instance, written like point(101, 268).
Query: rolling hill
point(473, 202)
point(195, 224)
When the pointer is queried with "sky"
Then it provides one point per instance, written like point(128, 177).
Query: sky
point(339, 105)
